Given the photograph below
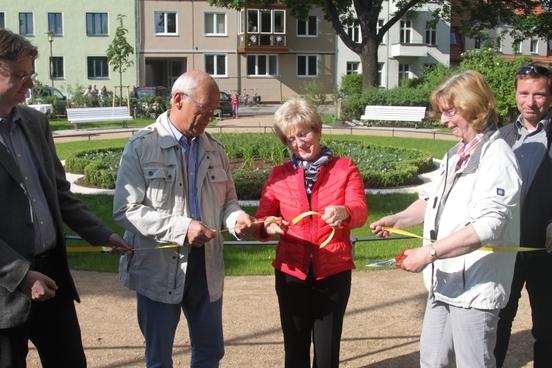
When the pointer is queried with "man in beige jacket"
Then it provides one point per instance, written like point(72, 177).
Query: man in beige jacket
point(175, 187)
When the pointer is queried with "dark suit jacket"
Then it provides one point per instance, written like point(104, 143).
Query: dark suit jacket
point(16, 228)
point(536, 212)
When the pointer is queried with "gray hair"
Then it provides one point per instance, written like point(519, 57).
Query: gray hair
point(189, 81)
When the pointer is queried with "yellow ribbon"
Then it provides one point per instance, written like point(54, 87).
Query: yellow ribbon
point(301, 216)
point(92, 249)
point(486, 248)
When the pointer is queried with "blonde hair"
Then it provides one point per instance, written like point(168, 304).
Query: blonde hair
point(470, 95)
point(296, 112)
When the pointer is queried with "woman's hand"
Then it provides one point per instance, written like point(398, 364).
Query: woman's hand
point(275, 225)
point(335, 215)
point(387, 221)
point(416, 259)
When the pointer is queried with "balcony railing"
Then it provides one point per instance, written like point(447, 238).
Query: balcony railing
point(409, 50)
point(262, 42)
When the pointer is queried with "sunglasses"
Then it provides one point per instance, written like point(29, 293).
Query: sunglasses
point(533, 69)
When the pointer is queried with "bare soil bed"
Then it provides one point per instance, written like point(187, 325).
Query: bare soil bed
point(381, 329)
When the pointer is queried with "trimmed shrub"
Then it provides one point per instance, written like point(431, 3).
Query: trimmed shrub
point(253, 156)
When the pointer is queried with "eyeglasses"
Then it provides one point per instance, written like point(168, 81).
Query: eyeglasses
point(533, 69)
point(203, 108)
point(304, 136)
point(22, 77)
point(449, 113)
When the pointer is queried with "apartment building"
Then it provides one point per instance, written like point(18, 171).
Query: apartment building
point(410, 45)
point(72, 38)
point(255, 51)
point(538, 49)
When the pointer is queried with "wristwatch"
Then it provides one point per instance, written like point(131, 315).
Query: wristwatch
point(432, 252)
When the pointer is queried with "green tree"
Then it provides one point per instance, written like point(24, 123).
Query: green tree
point(119, 51)
point(475, 15)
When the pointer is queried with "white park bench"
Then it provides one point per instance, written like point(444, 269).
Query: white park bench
point(81, 115)
point(394, 113)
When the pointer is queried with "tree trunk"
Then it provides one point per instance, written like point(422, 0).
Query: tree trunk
point(369, 57)
point(121, 88)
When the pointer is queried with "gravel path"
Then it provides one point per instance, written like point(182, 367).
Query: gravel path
point(381, 329)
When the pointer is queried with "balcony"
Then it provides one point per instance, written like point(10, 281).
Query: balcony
point(399, 50)
point(262, 42)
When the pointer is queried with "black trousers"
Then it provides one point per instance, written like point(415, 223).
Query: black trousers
point(534, 270)
point(52, 327)
point(312, 311)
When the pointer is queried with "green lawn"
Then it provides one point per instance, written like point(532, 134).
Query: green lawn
point(256, 260)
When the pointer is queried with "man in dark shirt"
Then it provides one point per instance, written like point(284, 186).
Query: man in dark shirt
point(37, 292)
point(530, 137)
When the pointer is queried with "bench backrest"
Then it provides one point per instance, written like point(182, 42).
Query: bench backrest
point(394, 113)
point(97, 112)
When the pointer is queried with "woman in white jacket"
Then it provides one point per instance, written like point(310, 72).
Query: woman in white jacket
point(473, 202)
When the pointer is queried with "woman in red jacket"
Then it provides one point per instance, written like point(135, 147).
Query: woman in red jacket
point(313, 275)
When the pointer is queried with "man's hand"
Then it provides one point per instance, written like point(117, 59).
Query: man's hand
point(118, 245)
point(244, 225)
point(548, 244)
point(198, 233)
point(38, 286)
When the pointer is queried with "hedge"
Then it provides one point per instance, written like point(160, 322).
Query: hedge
point(379, 166)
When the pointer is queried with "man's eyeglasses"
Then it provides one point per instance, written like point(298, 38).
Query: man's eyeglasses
point(204, 108)
point(22, 77)
point(533, 69)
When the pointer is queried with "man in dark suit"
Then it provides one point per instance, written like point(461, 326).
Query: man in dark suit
point(37, 292)
point(531, 139)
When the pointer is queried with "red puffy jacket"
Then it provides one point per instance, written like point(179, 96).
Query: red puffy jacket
point(284, 195)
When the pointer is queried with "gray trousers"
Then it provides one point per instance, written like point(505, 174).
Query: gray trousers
point(449, 333)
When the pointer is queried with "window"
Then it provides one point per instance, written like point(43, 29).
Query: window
point(453, 38)
point(353, 67)
point(379, 25)
point(354, 32)
point(406, 31)
point(477, 43)
point(2, 21)
point(308, 28)
point(404, 72)
point(498, 44)
point(215, 24)
point(57, 67)
point(215, 65)
point(431, 34)
point(262, 65)
point(97, 67)
point(517, 47)
point(380, 74)
point(534, 48)
point(252, 21)
point(165, 23)
point(266, 21)
point(96, 24)
point(54, 24)
point(26, 24)
point(279, 21)
point(307, 65)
